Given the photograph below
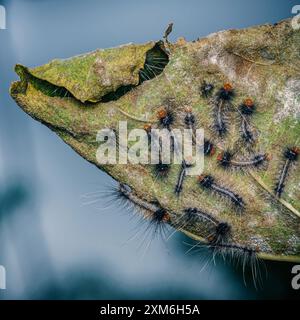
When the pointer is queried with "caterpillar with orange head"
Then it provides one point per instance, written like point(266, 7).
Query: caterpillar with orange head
point(166, 117)
point(226, 93)
point(221, 106)
point(290, 156)
point(246, 110)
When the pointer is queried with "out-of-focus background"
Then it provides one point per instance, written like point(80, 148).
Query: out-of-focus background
point(52, 245)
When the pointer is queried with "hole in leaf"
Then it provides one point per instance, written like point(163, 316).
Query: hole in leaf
point(156, 61)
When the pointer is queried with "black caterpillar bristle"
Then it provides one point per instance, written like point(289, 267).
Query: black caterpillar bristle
point(160, 215)
point(156, 225)
point(238, 253)
point(222, 234)
point(208, 182)
point(124, 190)
point(151, 215)
point(259, 159)
point(206, 89)
point(279, 189)
point(225, 160)
point(156, 211)
point(244, 256)
point(162, 169)
point(216, 232)
point(190, 122)
point(148, 128)
point(194, 214)
point(220, 124)
point(182, 174)
point(222, 101)
point(166, 117)
point(226, 93)
point(190, 214)
point(124, 196)
point(290, 155)
point(208, 148)
point(246, 133)
point(248, 107)
point(189, 118)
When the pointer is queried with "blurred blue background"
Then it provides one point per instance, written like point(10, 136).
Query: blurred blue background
point(51, 244)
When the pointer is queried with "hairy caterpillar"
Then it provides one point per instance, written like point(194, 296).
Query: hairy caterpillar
point(208, 182)
point(290, 156)
point(156, 217)
point(226, 93)
point(246, 109)
point(184, 165)
point(166, 117)
point(222, 101)
point(225, 160)
point(216, 231)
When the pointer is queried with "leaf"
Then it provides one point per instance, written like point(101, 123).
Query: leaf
point(260, 62)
